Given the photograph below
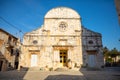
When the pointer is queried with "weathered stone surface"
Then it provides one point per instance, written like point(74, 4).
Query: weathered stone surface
point(60, 39)
point(9, 51)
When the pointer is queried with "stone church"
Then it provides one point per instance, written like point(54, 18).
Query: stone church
point(62, 41)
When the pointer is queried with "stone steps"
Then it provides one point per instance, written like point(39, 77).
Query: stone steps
point(62, 69)
point(34, 69)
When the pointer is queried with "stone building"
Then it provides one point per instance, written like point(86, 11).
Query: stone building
point(9, 51)
point(62, 42)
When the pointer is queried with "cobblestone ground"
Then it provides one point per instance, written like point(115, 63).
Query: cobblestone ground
point(60, 75)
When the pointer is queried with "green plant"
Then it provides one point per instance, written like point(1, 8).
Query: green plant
point(51, 69)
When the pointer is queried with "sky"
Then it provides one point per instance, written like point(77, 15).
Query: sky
point(20, 16)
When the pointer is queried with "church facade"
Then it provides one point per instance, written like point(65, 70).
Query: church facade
point(62, 42)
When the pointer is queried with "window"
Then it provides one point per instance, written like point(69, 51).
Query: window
point(90, 42)
point(35, 42)
point(15, 42)
point(9, 40)
point(12, 52)
point(17, 54)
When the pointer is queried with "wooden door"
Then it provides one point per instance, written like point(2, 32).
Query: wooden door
point(63, 57)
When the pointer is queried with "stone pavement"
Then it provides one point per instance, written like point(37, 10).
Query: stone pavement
point(60, 75)
point(41, 75)
point(101, 75)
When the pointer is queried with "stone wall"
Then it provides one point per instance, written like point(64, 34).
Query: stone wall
point(9, 51)
point(60, 32)
point(92, 43)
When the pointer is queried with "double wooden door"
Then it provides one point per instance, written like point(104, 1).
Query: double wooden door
point(63, 57)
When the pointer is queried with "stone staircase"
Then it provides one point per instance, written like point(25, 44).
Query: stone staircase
point(62, 69)
point(34, 69)
point(48, 69)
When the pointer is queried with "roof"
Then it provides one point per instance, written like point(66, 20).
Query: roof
point(89, 32)
point(8, 33)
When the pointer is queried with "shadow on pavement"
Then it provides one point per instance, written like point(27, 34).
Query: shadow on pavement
point(65, 77)
point(14, 74)
point(104, 74)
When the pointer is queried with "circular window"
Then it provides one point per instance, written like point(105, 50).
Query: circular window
point(90, 42)
point(62, 26)
point(35, 42)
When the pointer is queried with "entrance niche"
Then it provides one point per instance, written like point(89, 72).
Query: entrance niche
point(33, 60)
point(63, 57)
point(92, 58)
point(1, 63)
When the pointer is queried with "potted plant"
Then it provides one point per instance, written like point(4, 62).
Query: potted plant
point(69, 64)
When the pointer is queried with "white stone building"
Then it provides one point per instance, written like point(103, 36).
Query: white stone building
point(62, 42)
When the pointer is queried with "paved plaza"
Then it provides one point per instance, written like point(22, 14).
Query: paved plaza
point(60, 75)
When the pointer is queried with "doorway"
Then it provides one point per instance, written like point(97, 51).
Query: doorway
point(63, 57)
point(33, 60)
point(91, 60)
point(1, 63)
